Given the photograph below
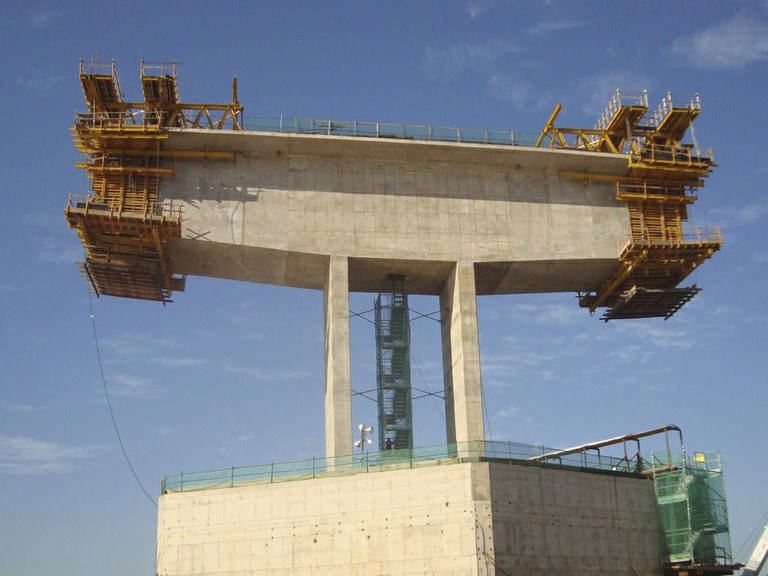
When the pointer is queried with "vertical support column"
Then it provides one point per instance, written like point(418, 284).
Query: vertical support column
point(461, 358)
point(338, 402)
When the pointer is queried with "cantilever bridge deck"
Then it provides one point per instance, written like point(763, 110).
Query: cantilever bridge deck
point(287, 202)
point(188, 189)
point(533, 214)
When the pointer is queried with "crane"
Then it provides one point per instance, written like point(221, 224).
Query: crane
point(759, 555)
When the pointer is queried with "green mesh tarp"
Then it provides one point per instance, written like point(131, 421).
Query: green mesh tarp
point(693, 513)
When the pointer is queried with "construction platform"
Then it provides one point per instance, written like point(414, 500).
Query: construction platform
point(124, 223)
point(134, 152)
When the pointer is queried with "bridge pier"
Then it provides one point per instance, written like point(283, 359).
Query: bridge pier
point(461, 357)
point(338, 401)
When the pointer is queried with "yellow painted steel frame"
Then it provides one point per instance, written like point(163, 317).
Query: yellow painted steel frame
point(661, 175)
point(123, 224)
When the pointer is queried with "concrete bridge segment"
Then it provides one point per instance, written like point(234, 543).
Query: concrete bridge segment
point(342, 214)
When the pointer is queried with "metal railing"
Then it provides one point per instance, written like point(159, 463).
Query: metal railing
point(393, 459)
point(666, 107)
point(113, 208)
point(286, 125)
point(681, 155)
point(618, 100)
point(128, 119)
point(689, 236)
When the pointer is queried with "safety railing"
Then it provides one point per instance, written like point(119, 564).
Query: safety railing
point(694, 236)
point(285, 125)
point(619, 100)
point(91, 204)
point(126, 120)
point(645, 190)
point(195, 116)
point(367, 462)
point(666, 107)
point(679, 156)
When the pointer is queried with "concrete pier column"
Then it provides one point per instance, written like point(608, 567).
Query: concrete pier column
point(461, 357)
point(338, 402)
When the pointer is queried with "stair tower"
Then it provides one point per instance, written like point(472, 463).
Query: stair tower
point(663, 174)
point(693, 515)
point(393, 375)
point(123, 222)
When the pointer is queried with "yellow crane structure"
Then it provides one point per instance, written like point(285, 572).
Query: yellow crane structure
point(662, 177)
point(124, 224)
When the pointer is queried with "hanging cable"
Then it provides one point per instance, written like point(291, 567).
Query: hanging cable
point(485, 411)
point(109, 402)
point(434, 395)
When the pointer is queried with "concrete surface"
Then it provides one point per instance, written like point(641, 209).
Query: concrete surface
point(454, 519)
point(275, 212)
point(342, 214)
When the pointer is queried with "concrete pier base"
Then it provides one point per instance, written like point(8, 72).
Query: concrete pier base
point(470, 518)
point(461, 357)
point(338, 400)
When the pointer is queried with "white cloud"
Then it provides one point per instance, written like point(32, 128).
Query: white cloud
point(660, 335)
point(179, 362)
point(735, 43)
point(560, 314)
point(262, 375)
point(449, 62)
point(510, 88)
point(595, 91)
point(549, 26)
point(40, 82)
point(130, 345)
point(16, 407)
point(568, 313)
point(738, 216)
point(23, 455)
point(232, 445)
point(477, 8)
point(51, 251)
point(752, 213)
point(508, 412)
point(127, 386)
point(43, 18)
point(632, 353)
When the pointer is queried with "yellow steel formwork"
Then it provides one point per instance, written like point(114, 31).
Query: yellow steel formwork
point(123, 223)
point(662, 174)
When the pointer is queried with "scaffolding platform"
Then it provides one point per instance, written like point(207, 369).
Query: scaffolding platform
point(124, 224)
point(644, 285)
point(649, 303)
point(662, 174)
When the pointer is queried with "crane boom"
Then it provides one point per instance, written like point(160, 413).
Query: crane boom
point(759, 556)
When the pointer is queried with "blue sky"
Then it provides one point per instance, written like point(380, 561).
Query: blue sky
point(230, 374)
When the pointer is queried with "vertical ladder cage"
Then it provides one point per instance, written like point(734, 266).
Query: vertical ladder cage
point(393, 374)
